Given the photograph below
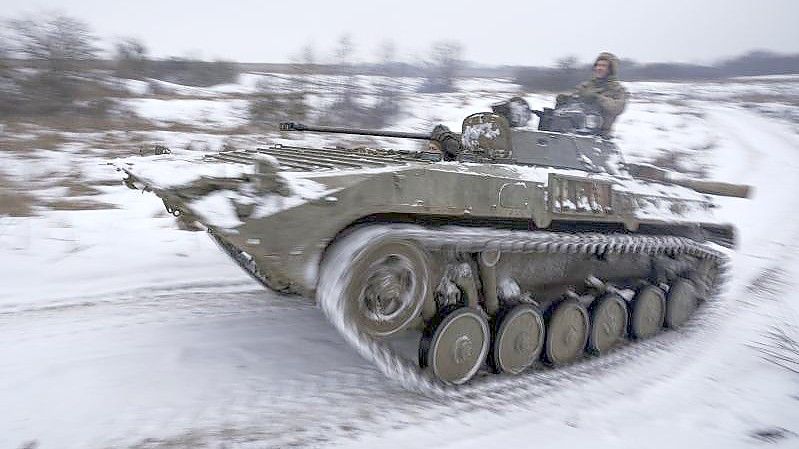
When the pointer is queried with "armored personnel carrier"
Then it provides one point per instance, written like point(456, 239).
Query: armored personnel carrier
point(497, 249)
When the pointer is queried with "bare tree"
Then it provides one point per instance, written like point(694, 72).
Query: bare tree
point(130, 59)
point(566, 63)
point(8, 88)
point(565, 75)
point(387, 88)
point(59, 46)
point(443, 63)
point(3, 53)
point(387, 52)
point(304, 85)
point(345, 108)
point(62, 42)
point(568, 72)
point(5, 65)
point(345, 49)
point(344, 53)
point(304, 63)
point(308, 54)
point(269, 104)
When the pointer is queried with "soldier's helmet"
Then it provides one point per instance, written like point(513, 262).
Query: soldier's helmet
point(611, 59)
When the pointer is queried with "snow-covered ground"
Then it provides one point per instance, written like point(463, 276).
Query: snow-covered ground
point(117, 329)
point(203, 112)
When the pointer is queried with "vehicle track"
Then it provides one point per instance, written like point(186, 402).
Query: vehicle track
point(335, 275)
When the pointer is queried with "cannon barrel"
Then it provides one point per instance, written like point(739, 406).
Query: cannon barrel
point(650, 173)
point(716, 188)
point(448, 143)
point(292, 126)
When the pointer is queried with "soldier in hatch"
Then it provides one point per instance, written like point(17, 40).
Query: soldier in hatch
point(603, 89)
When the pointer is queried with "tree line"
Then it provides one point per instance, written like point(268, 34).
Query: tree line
point(568, 71)
point(51, 64)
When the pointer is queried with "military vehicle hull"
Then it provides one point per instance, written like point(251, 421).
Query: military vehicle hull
point(503, 265)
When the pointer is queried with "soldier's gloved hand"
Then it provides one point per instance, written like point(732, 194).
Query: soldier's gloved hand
point(589, 95)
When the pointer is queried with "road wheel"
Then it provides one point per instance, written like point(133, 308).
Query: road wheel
point(567, 333)
point(647, 312)
point(455, 345)
point(608, 323)
point(680, 303)
point(518, 339)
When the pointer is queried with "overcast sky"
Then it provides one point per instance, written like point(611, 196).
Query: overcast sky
point(492, 32)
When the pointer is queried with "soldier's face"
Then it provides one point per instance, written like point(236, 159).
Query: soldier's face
point(601, 69)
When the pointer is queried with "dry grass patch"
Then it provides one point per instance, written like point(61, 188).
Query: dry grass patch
point(107, 182)
point(80, 189)
point(15, 202)
point(41, 141)
point(78, 204)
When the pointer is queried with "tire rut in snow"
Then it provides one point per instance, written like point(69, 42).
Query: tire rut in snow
point(172, 305)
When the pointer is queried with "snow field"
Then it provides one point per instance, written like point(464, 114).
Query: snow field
point(119, 329)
